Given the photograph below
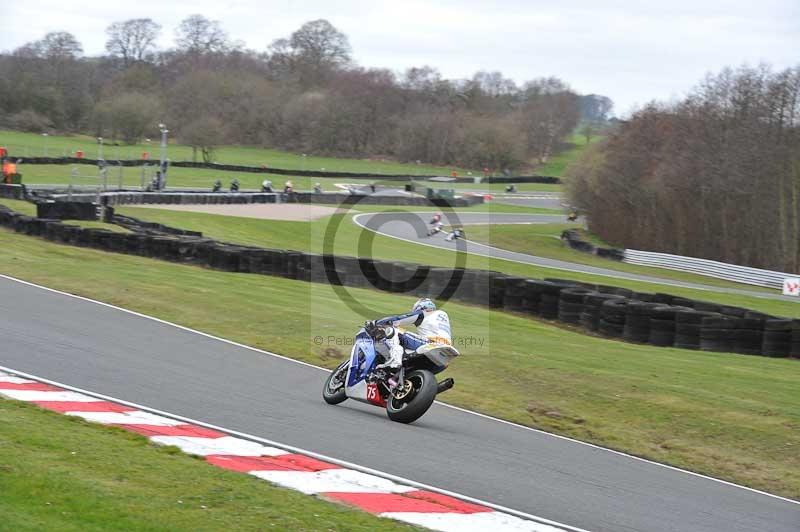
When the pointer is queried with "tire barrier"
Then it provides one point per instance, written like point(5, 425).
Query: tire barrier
point(17, 192)
point(66, 210)
point(167, 198)
point(777, 340)
point(571, 304)
point(662, 325)
point(592, 303)
point(795, 349)
point(654, 319)
point(134, 224)
point(572, 238)
point(613, 313)
point(687, 328)
point(717, 333)
point(638, 316)
point(238, 198)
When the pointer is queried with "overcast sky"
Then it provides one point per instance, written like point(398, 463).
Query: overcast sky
point(630, 51)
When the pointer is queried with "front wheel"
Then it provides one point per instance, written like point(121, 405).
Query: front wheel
point(333, 391)
point(415, 398)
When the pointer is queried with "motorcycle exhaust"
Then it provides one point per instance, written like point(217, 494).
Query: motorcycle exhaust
point(445, 385)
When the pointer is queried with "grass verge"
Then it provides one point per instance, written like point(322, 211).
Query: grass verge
point(731, 416)
point(61, 473)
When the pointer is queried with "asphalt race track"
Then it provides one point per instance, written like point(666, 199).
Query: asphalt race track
point(412, 227)
point(133, 358)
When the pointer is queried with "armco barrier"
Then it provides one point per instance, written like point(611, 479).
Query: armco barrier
point(655, 319)
point(711, 268)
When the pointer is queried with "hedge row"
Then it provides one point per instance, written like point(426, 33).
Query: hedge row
point(655, 319)
point(283, 171)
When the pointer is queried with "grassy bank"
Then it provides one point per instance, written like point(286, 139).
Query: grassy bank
point(349, 239)
point(731, 416)
point(556, 165)
point(61, 473)
point(34, 145)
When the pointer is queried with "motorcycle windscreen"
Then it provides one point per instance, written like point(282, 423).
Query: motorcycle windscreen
point(362, 359)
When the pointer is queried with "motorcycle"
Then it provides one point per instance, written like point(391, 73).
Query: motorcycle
point(405, 394)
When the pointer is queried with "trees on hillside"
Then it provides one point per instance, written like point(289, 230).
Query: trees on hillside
point(303, 93)
point(716, 175)
point(310, 54)
point(550, 111)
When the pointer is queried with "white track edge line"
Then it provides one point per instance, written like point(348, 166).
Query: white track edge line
point(299, 450)
point(774, 297)
point(460, 409)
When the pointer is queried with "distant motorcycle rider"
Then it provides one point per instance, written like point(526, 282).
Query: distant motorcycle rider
point(455, 235)
point(437, 228)
point(433, 326)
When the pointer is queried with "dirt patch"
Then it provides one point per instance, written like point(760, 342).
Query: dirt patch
point(264, 211)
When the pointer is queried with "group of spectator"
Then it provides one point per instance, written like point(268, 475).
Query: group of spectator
point(266, 186)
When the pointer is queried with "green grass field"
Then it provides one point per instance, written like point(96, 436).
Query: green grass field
point(60, 473)
point(559, 162)
point(34, 145)
point(304, 236)
point(727, 415)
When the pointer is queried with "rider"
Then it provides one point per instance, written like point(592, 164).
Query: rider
point(437, 228)
point(433, 326)
point(455, 235)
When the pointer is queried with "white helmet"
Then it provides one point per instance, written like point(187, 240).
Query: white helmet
point(424, 304)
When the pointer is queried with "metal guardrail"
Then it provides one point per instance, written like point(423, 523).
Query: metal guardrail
point(711, 268)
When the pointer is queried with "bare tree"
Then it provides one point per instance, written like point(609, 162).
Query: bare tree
point(198, 35)
point(55, 46)
point(596, 107)
point(688, 172)
point(550, 112)
point(312, 52)
point(204, 134)
point(132, 39)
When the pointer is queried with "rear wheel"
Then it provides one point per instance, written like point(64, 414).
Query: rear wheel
point(333, 391)
point(414, 399)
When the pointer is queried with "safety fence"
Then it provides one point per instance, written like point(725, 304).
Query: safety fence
point(711, 268)
point(655, 319)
